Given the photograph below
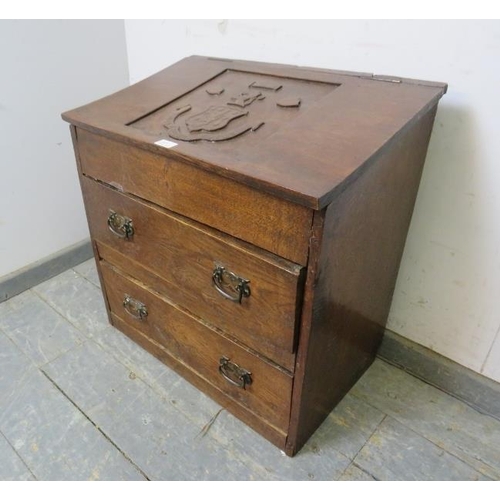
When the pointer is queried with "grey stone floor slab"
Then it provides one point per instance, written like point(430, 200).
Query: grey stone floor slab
point(53, 438)
point(90, 373)
point(442, 419)
point(130, 354)
point(170, 386)
point(78, 300)
point(354, 473)
point(12, 468)
point(195, 405)
point(311, 463)
point(87, 374)
point(88, 270)
point(37, 329)
point(161, 440)
point(394, 452)
point(15, 368)
point(348, 427)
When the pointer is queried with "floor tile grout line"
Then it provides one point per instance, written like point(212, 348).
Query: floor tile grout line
point(42, 298)
point(119, 360)
point(431, 384)
point(164, 400)
point(76, 346)
point(85, 277)
point(2, 331)
point(346, 467)
point(365, 471)
point(79, 342)
point(366, 442)
point(18, 455)
point(96, 426)
point(109, 352)
point(446, 450)
point(483, 473)
point(148, 383)
point(418, 433)
point(25, 376)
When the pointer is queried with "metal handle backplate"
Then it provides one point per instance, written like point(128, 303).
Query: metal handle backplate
point(120, 225)
point(135, 308)
point(233, 373)
point(230, 285)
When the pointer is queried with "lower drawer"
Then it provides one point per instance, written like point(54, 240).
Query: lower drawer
point(263, 388)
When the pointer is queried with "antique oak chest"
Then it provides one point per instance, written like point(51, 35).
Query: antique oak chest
point(248, 222)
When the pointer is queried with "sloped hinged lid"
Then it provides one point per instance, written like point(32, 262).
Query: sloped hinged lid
point(298, 133)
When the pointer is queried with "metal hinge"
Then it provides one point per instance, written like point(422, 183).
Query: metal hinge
point(384, 78)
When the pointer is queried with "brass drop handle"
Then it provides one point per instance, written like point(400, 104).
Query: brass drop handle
point(230, 285)
point(120, 225)
point(135, 308)
point(233, 373)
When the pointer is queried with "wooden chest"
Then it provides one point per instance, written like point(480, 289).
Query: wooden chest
point(248, 222)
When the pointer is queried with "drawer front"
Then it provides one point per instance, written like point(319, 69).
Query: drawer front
point(245, 378)
point(189, 259)
point(276, 225)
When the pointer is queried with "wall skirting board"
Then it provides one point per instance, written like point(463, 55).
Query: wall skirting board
point(477, 391)
point(29, 276)
point(480, 392)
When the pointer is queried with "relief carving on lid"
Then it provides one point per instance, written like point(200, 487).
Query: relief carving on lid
point(223, 119)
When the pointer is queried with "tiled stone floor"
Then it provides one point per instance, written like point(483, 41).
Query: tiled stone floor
point(79, 400)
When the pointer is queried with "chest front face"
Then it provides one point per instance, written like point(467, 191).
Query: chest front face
point(235, 214)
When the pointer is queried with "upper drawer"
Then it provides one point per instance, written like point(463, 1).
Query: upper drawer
point(271, 223)
point(184, 255)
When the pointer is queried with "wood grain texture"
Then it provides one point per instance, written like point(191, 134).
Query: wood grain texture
point(199, 347)
point(276, 225)
point(351, 280)
point(87, 207)
point(183, 254)
point(283, 358)
point(306, 158)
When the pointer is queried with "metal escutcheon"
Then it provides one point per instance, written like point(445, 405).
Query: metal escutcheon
point(120, 225)
point(230, 285)
point(233, 373)
point(135, 308)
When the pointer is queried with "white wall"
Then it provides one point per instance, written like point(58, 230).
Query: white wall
point(48, 67)
point(448, 292)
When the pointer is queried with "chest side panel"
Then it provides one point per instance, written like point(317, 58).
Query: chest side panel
point(351, 279)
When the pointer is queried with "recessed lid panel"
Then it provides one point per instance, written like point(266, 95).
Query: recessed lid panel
point(234, 105)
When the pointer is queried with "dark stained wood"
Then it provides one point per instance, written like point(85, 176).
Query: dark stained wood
point(351, 279)
point(301, 180)
point(285, 359)
point(266, 221)
point(87, 212)
point(240, 109)
point(272, 434)
point(184, 254)
point(199, 347)
point(306, 157)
